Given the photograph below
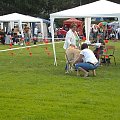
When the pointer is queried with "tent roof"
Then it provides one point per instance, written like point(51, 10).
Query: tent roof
point(19, 17)
point(102, 8)
point(46, 21)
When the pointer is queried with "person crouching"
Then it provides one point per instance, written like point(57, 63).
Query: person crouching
point(86, 61)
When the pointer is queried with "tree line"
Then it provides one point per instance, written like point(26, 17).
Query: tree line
point(40, 8)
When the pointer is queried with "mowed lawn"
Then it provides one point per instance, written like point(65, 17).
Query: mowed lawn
point(32, 88)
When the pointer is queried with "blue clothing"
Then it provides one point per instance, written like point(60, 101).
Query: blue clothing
point(86, 66)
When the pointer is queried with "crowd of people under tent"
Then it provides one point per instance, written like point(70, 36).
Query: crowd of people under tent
point(13, 36)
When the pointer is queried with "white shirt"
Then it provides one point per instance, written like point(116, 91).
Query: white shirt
point(36, 31)
point(118, 30)
point(88, 56)
point(69, 39)
point(49, 29)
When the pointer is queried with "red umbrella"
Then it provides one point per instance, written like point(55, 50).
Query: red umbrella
point(72, 20)
point(79, 23)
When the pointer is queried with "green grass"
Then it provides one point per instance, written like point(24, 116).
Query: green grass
point(32, 88)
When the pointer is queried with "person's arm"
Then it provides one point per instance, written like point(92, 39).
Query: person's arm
point(79, 59)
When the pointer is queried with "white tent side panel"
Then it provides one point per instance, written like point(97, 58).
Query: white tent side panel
point(16, 17)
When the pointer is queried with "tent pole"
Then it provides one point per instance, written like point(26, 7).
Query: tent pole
point(53, 42)
point(1, 25)
point(20, 27)
point(119, 20)
point(42, 31)
point(87, 29)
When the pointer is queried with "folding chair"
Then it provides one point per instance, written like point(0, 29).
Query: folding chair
point(108, 54)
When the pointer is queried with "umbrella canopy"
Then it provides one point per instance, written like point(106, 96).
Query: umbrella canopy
point(72, 20)
point(102, 24)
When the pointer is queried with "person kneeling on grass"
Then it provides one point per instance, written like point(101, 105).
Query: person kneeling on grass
point(86, 60)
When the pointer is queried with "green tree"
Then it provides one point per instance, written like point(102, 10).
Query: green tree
point(40, 8)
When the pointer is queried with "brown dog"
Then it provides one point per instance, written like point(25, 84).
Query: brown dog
point(71, 55)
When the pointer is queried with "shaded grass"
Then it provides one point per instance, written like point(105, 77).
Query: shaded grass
point(32, 88)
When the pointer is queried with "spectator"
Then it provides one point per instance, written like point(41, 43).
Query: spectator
point(72, 38)
point(49, 31)
point(2, 36)
point(27, 33)
point(35, 31)
point(99, 46)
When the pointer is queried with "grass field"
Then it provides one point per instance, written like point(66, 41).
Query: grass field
point(32, 88)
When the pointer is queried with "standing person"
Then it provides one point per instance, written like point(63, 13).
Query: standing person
point(95, 32)
point(26, 33)
point(49, 32)
point(99, 48)
point(15, 34)
point(86, 61)
point(2, 36)
point(36, 31)
point(72, 38)
point(118, 33)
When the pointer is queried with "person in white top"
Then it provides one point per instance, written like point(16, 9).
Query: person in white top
point(118, 32)
point(86, 60)
point(72, 37)
point(35, 31)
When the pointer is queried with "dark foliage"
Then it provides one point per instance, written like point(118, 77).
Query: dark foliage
point(40, 8)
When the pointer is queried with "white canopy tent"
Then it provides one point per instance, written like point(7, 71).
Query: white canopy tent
point(102, 8)
point(16, 17)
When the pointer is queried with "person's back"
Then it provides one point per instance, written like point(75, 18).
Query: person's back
point(88, 56)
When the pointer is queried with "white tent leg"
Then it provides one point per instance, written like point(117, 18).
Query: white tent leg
point(11, 25)
point(87, 29)
point(42, 30)
point(1, 25)
point(53, 42)
point(119, 21)
point(20, 27)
